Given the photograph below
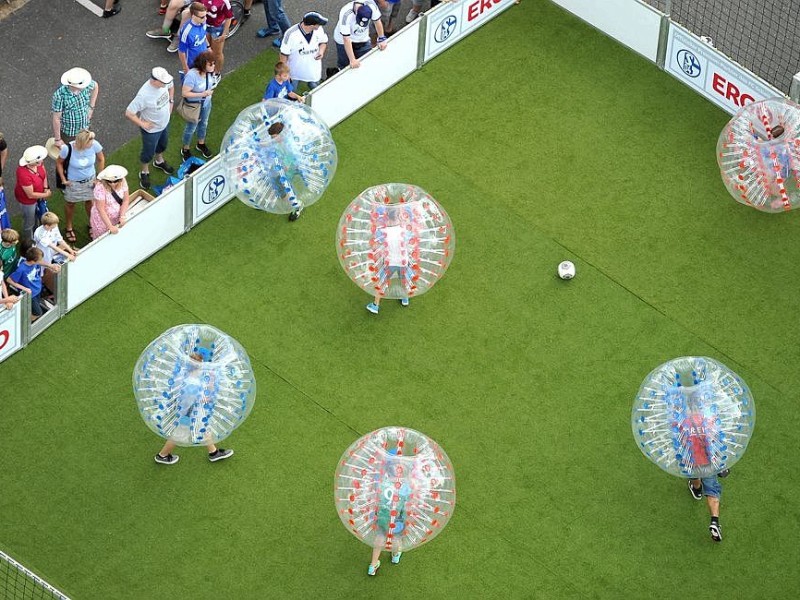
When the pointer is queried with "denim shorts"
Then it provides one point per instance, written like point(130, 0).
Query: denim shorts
point(215, 32)
point(712, 486)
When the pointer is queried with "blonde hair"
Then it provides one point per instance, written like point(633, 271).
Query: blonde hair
point(49, 218)
point(281, 67)
point(84, 139)
point(9, 236)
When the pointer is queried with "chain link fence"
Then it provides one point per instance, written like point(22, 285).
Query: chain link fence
point(761, 35)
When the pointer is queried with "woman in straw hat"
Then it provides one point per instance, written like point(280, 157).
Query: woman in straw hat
point(31, 186)
point(110, 201)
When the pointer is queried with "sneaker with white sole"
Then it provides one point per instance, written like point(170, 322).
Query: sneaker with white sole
point(295, 214)
point(373, 568)
point(373, 308)
point(173, 45)
point(404, 301)
point(697, 493)
point(169, 459)
point(220, 454)
point(716, 531)
point(164, 166)
point(396, 557)
point(412, 15)
point(158, 34)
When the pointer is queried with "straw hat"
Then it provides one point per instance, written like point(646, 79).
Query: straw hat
point(52, 150)
point(32, 155)
point(77, 78)
point(113, 173)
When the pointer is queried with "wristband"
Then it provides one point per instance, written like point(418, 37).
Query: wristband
point(382, 38)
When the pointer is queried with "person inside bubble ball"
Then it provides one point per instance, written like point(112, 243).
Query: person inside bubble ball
point(394, 245)
point(782, 152)
point(391, 516)
point(192, 389)
point(287, 169)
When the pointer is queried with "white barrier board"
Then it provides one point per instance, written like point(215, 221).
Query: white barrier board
point(111, 256)
point(10, 330)
point(712, 74)
point(210, 189)
point(351, 89)
point(451, 21)
point(630, 22)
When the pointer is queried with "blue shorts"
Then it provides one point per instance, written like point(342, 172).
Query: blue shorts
point(712, 486)
point(215, 32)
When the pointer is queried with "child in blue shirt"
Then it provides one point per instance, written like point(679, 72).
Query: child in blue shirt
point(28, 278)
point(281, 86)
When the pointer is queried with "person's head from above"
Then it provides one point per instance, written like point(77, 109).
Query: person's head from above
point(363, 15)
point(313, 20)
point(84, 139)
point(204, 62)
point(199, 13)
point(275, 129)
point(33, 254)
point(9, 237)
point(112, 175)
point(49, 220)
point(76, 79)
point(160, 77)
point(281, 72)
point(33, 156)
point(777, 131)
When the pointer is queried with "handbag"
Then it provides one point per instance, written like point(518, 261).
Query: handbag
point(60, 182)
point(190, 111)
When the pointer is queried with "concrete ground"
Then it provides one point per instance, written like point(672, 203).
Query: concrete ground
point(40, 39)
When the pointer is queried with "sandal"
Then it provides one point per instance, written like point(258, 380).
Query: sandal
point(69, 235)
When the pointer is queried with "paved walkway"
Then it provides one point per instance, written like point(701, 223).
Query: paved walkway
point(44, 38)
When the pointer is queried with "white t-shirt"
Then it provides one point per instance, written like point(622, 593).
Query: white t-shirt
point(301, 52)
point(346, 25)
point(396, 251)
point(43, 238)
point(152, 104)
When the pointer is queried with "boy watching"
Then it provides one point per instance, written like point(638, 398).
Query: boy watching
point(9, 254)
point(48, 239)
point(281, 86)
point(28, 278)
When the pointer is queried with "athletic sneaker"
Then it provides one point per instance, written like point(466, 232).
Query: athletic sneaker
point(158, 34)
point(220, 454)
point(173, 45)
point(373, 308)
point(169, 459)
point(264, 32)
point(412, 14)
point(204, 150)
point(295, 214)
point(396, 557)
point(276, 43)
point(373, 569)
point(164, 166)
point(404, 301)
point(697, 493)
point(716, 531)
point(144, 181)
point(724, 473)
point(186, 154)
point(245, 16)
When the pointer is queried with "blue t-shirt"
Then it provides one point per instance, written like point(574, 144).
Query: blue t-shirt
point(192, 41)
point(198, 83)
point(30, 276)
point(81, 163)
point(278, 90)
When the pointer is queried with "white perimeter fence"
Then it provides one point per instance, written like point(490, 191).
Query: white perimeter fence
point(633, 23)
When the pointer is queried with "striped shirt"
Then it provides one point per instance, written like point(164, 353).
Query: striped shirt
point(74, 108)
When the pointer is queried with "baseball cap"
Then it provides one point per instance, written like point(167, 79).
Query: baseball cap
point(363, 15)
point(161, 74)
point(314, 18)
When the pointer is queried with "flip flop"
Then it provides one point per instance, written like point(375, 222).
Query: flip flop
point(69, 235)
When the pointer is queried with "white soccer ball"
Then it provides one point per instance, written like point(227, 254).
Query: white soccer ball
point(566, 270)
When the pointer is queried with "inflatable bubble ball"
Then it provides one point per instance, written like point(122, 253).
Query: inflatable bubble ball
point(395, 241)
point(758, 153)
point(395, 488)
point(279, 156)
point(194, 385)
point(693, 417)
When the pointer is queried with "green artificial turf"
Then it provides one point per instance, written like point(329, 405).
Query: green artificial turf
point(560, 144)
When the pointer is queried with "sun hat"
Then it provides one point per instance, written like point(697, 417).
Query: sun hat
point(161, 74)
point(77, 78)
point(33, 154)
point(52, 150)
point(112, 173)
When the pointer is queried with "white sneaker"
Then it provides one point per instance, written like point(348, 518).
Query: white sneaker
point(412, 15)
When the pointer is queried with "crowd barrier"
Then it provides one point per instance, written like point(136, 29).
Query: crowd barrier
point(183, 206)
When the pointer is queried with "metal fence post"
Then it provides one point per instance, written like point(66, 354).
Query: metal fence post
point(794, 88)
point(423, 31)
point(663, 37)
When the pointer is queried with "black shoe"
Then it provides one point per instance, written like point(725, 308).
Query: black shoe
point(220, 454)
point(245, 16)
point(169, 459)
point(716, 531)
point(110, 13)
point(204, 150)
point(724, 473)
point(164, 166)
point(697, 493)
point(144, 181)
point(186, 154)
point(330, 72)
point(295, 214)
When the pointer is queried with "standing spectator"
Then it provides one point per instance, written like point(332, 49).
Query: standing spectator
point(277, 21)
point(3, 157)
point(389, 11)
point(150, 111)
point(172, 11)
point(303, 48)
point(192, 38)
point(112, 8)
point(73, 104)
point(84, 158)
point(416, 9)
point(352, 32)
point(111, 201)
point(219, 23)
point(281, 86)
point(31, 186)
point(198, 87)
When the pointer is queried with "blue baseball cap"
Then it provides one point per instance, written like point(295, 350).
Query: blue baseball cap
point(363, 15)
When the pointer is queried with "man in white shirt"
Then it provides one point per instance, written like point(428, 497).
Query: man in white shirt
point(352, 32)
point(303, 47)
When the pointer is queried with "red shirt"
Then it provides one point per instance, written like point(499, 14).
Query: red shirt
point(26, 178)
point(218, 12)
point(695, 426)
